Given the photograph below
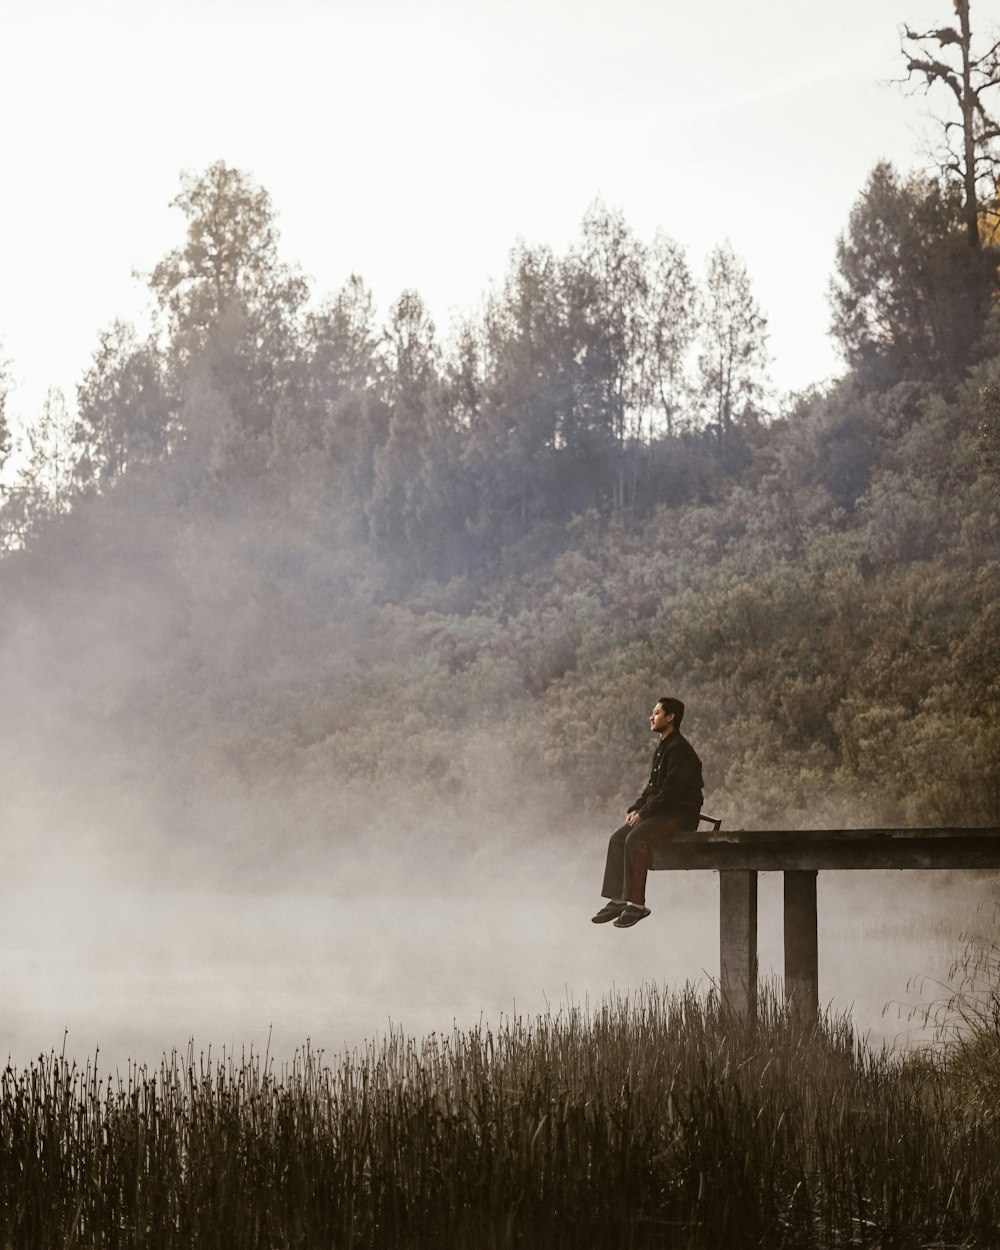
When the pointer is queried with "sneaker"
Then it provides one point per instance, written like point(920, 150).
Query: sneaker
point(631, 914)
point(610, 911)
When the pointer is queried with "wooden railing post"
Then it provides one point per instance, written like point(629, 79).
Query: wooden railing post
point(801, 944)
point(738, 939)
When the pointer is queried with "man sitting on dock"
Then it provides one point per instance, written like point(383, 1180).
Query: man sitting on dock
point(671, 802)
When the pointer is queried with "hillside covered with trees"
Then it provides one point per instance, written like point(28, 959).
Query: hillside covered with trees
point(281, 536)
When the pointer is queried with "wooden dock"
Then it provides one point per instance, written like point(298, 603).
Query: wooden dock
point(739, 854)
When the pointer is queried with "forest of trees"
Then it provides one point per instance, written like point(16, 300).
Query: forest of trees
point(275, 516)
point(605, 379)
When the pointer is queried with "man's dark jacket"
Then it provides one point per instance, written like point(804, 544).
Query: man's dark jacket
point(675, 784)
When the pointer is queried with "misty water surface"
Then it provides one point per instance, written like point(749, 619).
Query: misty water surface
point(339, 947)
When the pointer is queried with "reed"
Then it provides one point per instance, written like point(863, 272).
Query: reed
point(655, 1120)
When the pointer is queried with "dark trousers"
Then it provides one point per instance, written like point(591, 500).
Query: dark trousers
point(629, 854)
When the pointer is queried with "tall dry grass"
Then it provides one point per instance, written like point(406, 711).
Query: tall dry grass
point(655, 1120)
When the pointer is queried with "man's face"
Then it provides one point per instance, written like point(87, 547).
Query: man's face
point(659, 720)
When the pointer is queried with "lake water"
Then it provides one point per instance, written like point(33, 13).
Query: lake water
point(139, 963)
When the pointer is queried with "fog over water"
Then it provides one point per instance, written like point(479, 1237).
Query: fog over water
point(446, 919)
point(167, 881)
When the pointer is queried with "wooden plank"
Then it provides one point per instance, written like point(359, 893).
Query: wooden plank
point(801, 944)
point(949, 833)
point(809, 850)
point(738, 940)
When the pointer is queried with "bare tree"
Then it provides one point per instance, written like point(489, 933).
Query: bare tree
point(969, 155)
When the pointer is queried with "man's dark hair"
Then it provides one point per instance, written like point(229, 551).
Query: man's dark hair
point(672, 705)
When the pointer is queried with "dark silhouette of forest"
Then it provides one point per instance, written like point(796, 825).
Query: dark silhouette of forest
point(287, 537)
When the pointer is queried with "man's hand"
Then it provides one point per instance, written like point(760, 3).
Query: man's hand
point(633, 819)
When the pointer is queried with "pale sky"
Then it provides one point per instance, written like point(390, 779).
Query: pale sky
point(415, 143)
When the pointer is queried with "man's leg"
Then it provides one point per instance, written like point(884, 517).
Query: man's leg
point(614, 878)
point(639, 853)
point(614, 869)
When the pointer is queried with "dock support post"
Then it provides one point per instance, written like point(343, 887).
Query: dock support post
point(738, 939)
point(801, 944)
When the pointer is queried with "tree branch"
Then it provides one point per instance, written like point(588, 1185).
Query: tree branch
point(944, 35)
point(986, 55)
point(935, 71)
